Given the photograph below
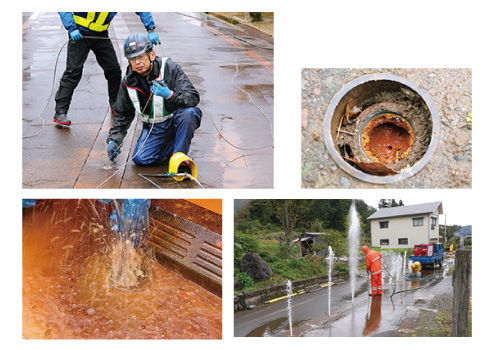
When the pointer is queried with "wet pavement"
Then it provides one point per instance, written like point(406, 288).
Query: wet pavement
point(233, 148)
point(449, 167)
point(365, 316)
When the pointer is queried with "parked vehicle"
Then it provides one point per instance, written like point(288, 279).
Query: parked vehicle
point(429, 255)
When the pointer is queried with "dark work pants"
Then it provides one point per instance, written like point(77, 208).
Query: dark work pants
point(78, 52)
point(172, 136)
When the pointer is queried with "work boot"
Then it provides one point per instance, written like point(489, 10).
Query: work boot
point(62, 119)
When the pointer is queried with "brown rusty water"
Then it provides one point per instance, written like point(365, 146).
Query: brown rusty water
point(387, 138)
point(67, 293)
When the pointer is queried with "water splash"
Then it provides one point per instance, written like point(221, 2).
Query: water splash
point(353, 238)
point(404, 266)
point(331, 256)
point(289, 292)
point(393, 262)
point(129, 222)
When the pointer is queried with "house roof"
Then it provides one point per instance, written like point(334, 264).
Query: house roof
point(308, 235)
point(407, 210)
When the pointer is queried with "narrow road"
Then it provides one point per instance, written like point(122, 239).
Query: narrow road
point(366, 316)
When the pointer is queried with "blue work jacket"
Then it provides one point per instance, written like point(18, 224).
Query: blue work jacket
point(92, 23)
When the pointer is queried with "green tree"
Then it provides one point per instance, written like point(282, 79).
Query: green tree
point(389, 203)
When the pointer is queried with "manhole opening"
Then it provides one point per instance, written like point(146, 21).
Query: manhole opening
point(381, 125)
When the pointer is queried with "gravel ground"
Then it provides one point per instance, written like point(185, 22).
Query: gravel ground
point(451, 164)
point(436, 324)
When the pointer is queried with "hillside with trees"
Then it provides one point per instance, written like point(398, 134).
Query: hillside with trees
point(268, 228)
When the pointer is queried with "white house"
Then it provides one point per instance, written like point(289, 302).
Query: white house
point(403, 227)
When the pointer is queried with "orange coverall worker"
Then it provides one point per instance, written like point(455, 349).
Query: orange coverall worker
point(374, 266)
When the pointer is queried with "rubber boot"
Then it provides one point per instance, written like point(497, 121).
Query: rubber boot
point(62, 119)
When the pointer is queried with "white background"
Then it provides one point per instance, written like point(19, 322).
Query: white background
point(308, 34)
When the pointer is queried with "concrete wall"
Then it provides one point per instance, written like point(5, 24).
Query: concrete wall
point(260, 296)
point(402, 227)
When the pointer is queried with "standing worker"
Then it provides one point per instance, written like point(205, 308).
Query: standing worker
point(374, 268)
point(165, 99)
point(89, 31)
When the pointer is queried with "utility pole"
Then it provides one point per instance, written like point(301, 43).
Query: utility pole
point(445, 236)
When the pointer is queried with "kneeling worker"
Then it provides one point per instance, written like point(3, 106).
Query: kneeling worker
point(159, 90)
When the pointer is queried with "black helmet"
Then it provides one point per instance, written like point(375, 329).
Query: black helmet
point(136, 44)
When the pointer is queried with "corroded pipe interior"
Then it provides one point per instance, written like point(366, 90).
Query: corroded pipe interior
point(387, 138)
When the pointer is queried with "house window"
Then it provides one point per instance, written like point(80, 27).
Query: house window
point(402, 240)
point(433, 223)
point(384, 242)
point(418, 221)
point(384, 224)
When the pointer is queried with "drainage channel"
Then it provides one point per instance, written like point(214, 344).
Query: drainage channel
point(381, 128)
point(192, 245)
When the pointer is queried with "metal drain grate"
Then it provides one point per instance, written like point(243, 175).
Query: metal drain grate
point(193, 250)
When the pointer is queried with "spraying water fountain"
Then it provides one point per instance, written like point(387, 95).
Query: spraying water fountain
point(353, 238)
point(394, 264)
point(331, 256)
point(129, 222)
point(404, 266)
point(289, 292)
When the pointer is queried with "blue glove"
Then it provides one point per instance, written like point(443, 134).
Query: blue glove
point(160, 88)
point(113, 150)
point(28, 203)
point(75, 35)
point(153, 37)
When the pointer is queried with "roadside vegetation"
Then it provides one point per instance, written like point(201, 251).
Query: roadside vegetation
point(271, 228)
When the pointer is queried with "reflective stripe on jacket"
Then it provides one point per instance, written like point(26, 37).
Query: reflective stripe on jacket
point(185, 95)
point(373, 262)
point(96, 21)
point(158, 113)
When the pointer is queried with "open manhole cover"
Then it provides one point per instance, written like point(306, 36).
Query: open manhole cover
point(381, 128)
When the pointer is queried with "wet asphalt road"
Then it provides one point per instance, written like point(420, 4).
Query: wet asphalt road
point(235, 81)
point(367, 316)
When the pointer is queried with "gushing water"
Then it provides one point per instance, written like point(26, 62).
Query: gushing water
point(289, 292)
point(394, 264)
point(331, 256)
point(66, 286)
point(129, 222)
point(353, 237)
point(404, 266)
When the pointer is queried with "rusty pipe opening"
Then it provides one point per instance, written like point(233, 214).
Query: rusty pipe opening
point(381, 128)
point(387, 138)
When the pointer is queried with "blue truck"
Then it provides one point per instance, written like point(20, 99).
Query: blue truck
point(430, 255)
